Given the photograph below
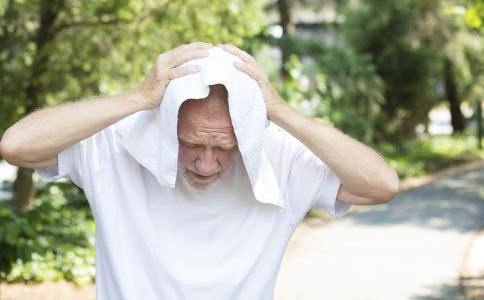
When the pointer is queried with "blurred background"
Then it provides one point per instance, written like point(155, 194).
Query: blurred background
point(404, 77)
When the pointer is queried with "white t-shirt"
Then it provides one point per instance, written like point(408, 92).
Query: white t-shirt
point(154, 242)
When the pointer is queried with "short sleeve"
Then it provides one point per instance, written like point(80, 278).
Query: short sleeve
point(327, 192)
point(307, 181)
point(65, 167)
point(80, 162)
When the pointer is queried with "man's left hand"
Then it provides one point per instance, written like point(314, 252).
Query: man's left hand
point(249, 66)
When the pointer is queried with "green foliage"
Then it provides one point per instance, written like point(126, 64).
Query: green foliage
point(338, 85)
point(409, 66)
point(384, 71)
point(464, 46)
point(54, 240)
point(353, 89)
point(103, 47)
point(474, 14)
point(425, 155)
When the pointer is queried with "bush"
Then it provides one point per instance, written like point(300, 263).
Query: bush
point(425, 155)
point(53, 240)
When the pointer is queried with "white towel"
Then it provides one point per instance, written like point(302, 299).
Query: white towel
point(151, 137)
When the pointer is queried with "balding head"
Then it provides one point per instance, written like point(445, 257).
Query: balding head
point(214, 106)
point(206, 137)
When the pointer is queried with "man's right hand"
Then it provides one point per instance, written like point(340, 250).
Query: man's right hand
point(166, 68)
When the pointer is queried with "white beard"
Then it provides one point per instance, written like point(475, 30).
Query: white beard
point(193, 184)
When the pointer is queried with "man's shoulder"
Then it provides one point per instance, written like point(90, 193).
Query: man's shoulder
point(273, 131)
point(279, 142)
point(276, 134)
point(123, 125)
point(113, 132)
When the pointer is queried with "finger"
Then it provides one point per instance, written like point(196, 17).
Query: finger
point(250, 70)
point(244, 56)
point(192, 46)
point(183, 57)
point(182, 71)
point(167, 56)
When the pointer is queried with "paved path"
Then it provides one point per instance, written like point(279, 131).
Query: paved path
point(411, 248)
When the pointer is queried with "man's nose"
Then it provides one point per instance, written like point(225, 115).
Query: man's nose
point(206, 163)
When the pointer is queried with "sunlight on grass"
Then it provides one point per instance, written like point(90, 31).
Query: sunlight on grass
point(425, 155)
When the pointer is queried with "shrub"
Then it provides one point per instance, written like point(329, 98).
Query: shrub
point(51, 241)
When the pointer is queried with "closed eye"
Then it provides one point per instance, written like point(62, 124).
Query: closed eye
point(189, 145)
point(217, 148)
point(225, 148)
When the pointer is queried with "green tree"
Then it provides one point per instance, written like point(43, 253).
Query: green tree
point(385, 31)
point(56, 50)
point(453, 27)
point(474, 18)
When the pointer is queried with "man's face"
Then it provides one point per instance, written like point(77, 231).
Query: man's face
point(206, 138)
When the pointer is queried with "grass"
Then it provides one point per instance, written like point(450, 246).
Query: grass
point(425, 155)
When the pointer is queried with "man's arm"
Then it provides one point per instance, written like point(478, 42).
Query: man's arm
point(35, 140)
point(365, 176)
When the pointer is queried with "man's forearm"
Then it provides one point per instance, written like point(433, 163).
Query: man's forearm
point(361, 170)
point(44, 133)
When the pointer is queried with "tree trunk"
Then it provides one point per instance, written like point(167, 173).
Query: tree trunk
point(22, 190)
point(457, 119)
point(49, 9)
point(479, 124)
point(287, 31)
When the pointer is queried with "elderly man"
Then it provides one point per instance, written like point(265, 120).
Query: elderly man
point(206, 237)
